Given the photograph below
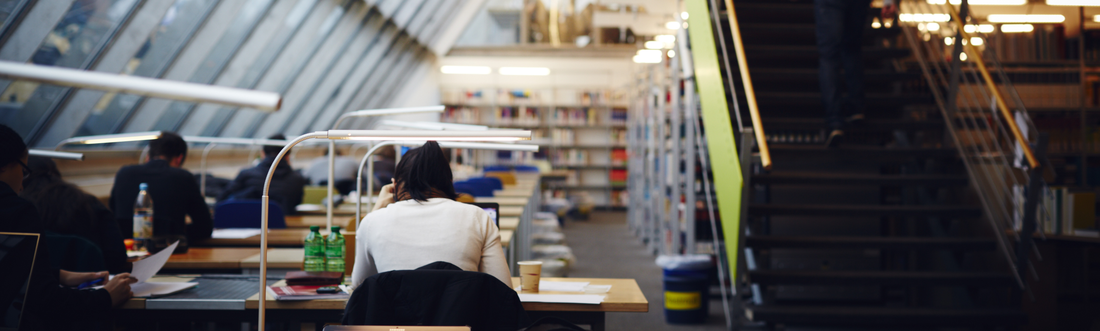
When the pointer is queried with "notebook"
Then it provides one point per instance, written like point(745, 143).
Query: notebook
point(17, 252)
point(492, 208)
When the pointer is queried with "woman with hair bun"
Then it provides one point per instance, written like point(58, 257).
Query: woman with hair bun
point(416, 222)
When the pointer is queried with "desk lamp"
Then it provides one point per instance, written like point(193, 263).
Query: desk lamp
point(442, 144)
point(376, 135)
point(57, 155)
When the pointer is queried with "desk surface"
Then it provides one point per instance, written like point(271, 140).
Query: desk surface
point(277, 258)
point(514, 193)
point(625, 296)
point(509, 223)
point(511, 211)
point(305, 221)
point(211, 258)
point(505, 238)
point(275, 238)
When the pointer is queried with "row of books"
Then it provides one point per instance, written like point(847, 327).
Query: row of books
point(1046, 43)
point(1064, 211)
point(1065, 135)
point(583, 97)
point(534, 116)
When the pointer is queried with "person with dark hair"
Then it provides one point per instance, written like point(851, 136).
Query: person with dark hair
point(51, 302)
point(174, 190)
point(287, 186)
point(416, 221)
point(81, 214)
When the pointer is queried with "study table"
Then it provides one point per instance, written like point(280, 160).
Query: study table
point(289, 237)
point(233, 298)
point(305, 221)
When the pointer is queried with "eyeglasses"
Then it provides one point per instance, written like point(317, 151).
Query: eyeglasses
point(26, 169)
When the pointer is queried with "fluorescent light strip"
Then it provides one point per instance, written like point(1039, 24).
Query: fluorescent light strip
point(57, 155)
point(672, 25)
point(1033, 18)
point(434, 125)
point(1017, 28)
point(653, 44)
point(524, 71)
point(465, 70)
point(983, 28)
point(491, 135)
point(982, 2)
point(924, 17)
point(665, 38)
point(1096, 18)
point(1075, 3)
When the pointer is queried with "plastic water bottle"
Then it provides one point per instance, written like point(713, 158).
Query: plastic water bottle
point(315, 250)
point(334, 251)
point(143, 218)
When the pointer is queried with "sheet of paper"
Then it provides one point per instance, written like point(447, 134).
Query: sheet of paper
point(586, 299)
point(148, 267)
point(561, 286)
point(152, 289)
point(597, 289)
point(234, 233)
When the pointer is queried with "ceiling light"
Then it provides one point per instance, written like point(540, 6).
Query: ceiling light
point(962, 56)
point(976, 41)
point(982, 2)
point(949, 41)
point(1096, 18)
point(875, 23)
point(934, 27)
point(491, 135)
point(665, 38)
point(672, 25)
point(465, 70)
point(925, 17)
point(671, 53)
point(983, 28)
point(684, 15)
point(524, 71)
point(1033, 18)
point(653, 44)
point(648, 56)
point(1017, 28)
point(1075, 3)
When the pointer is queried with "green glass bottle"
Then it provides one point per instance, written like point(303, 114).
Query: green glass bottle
point(315, 250)
point(334, 251)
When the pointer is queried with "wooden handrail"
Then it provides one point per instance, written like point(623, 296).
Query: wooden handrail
point(1005, 112)
point(746, 80)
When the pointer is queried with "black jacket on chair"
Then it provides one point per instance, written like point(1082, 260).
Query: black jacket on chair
point(438, 294)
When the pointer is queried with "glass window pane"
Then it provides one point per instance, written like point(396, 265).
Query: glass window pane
point(163, 45)
point(75, 42)
point(9, 10)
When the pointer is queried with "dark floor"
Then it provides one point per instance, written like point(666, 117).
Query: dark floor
point(605, 248)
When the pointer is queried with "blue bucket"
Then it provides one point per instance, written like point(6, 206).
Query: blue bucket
point(686, 293)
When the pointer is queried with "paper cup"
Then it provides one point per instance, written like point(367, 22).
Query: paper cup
point(529, 274)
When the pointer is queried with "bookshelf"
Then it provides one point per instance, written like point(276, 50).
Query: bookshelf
point(582, 132)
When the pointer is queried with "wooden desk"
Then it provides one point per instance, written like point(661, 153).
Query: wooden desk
point(625, 296)
point(511, 211)
point(505, 238)
point(277, 258)
point(305, 221)
point(509, 223)
point(513, 193)
point(506, 201)
point(253, 303)
point(210, 258)
point(275, 238)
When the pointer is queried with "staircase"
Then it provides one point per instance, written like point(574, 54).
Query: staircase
point(882, 232)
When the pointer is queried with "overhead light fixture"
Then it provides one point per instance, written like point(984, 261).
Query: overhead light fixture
point(875, 23)
point(434, 125)
point(684, 15)
point(982, 2)
point(924, 17)
point(962, 56)
point(1096, 18)
point(983, 28)
point(56, 155)
point(665, 38)
point(934, 27)
point(949, 41)
point(110, 138)
point(648, 56)
point(976, 41)
point(653, 44)
point(1029, 18)
point(1017, 28)
point(465, 70)
point(671, 53)
point(524, 71)
point(1075, 3)
point(672, 25)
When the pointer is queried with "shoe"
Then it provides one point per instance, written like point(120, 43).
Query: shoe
point(854, 119)
point(834, 138)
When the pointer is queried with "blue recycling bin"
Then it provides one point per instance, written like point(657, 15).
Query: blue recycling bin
point(686, 288)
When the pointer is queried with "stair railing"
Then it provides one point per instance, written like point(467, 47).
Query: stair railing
point(995, 139)
point(746, 80)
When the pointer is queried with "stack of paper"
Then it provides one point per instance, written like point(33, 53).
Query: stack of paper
point(147, 268)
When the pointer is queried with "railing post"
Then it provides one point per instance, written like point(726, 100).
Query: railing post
point(1031, 205)
point(956, 64)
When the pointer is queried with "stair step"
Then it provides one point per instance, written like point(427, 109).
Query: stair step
point(815, 178)
point(811, 75)
point(863, 210)
point(808, 53)
point(859, 152)
point(772, 33)
point(816, 277)
point(867, 125)
point(896, 243)
point(885, 316)
point(813, 99)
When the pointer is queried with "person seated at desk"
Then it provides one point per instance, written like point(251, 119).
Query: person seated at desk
point(287, 186)
point(66, 209)
point(417, 222)
point(343, 174)
point(174, 190)
point(52, 303)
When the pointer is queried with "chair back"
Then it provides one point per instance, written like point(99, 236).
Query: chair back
point(492, 182)
point(465, 198)
point(507, 178)
point(474, 188)
point(248, 214)
point(526, 168)
point(497, 168)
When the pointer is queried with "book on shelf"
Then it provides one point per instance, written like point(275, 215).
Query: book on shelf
point(1064, 211)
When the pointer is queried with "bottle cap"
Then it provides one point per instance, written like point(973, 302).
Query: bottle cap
point(143, 186)
point(335, 228)
point(314, 228)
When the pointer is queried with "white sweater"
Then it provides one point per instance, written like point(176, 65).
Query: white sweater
point(409, 234)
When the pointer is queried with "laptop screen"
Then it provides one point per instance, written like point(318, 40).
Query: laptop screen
point(492, 208)
point(17, 251)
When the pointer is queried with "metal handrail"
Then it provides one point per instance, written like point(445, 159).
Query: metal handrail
point(996, 92)
point(746, 80)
